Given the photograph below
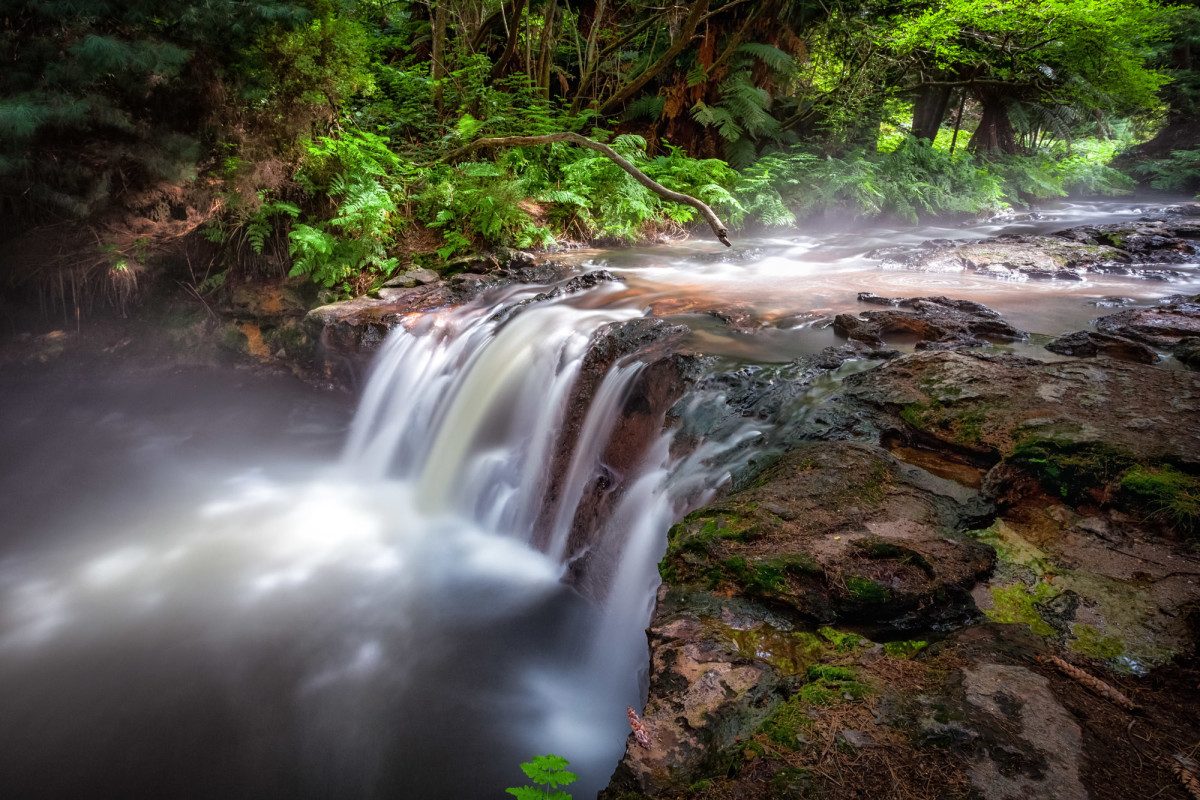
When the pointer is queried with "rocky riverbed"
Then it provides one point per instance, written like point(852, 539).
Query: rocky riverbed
point(948, 545)
point(890, 597)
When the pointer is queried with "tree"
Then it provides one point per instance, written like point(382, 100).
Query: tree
point(1050, 55)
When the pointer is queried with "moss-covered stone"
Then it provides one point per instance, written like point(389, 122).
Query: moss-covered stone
point(904, 649)
point(1164, 492)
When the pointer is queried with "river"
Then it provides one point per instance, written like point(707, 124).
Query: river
point(217, 584)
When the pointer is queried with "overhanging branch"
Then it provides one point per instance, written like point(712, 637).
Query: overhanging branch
point(710, 216)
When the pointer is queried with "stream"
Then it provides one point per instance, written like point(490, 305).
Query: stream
point(217, 584)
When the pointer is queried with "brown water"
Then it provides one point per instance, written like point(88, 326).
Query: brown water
point(793, 283)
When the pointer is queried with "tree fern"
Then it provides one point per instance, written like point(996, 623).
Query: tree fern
point(769, 54)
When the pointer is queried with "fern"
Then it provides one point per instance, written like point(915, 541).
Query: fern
point(769, 54)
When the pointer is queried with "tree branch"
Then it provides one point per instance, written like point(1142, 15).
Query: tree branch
point(685, 37)
point(710, 216)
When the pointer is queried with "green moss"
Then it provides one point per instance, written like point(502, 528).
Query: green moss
point(783, 727)
point(818, 672)
point(867, 591)
point(790, 653)
point(1164, 492)
point(841, 641)
point(700, 786)
point(1017, 604)
point(1070, 468)
point(969, 427)
point(1091, 642)
point(904, 649)
point(915, 413)
point(819, 694)
point(231, 337)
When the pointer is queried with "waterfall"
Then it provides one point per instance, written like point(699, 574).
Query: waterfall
point(433, 589)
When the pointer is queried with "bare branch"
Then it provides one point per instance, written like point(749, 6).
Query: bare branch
point(710, 216)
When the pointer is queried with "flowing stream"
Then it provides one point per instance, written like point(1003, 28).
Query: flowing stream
point(200, 596)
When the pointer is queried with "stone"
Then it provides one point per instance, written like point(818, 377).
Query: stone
point(1046, 758)
point(884, 559)
point(1089, 344)
point(934, 322)
point(1187, 352)
point(986, 406)
point(414, 276)
point(1162, 326)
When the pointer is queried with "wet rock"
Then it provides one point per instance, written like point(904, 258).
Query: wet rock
point(579, 283)
point(779, 402)
point(414, 276)
point(1089, 344)
point(272, 299)
point(1114, 301)
point(1012, 256)
point(1003, 406)
point(1188, 352)
point(1140, 248)
point(837, 530)
point(937, 323)
point(704, 698)
point(349, 332)
point(1162, 326)
point(664, 375)
point(1049, 747)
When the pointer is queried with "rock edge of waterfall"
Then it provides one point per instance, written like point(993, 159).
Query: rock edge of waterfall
point(874, 614)
point(934, 582)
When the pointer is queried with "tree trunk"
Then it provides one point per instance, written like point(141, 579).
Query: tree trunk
point(514, 33)
point(710, 216)
point(439, 49)
point(591, 58)
point(995, 131)
point(546, 49)
point(684, 38)
point(929, 110)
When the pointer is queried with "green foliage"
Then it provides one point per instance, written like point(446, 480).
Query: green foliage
point(97, 98)
point(362, 177)
point(1165, 492)
point(1180, 171)
point(549, 772)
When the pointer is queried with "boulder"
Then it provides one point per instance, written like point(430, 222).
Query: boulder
point(994, 405)
point(935, 323)
point(1089, 344)
point(1162, 326)
point(837, 530)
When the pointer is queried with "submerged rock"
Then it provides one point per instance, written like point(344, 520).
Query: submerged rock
point(936, 323)
point(1142, 248)
point(1163, 326)
point(1089, 344)
point(350, 331)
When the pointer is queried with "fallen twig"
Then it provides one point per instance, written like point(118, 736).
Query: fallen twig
point(1094, 684)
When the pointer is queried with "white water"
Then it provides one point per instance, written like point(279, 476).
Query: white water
point(392, 622)
point(376, 619)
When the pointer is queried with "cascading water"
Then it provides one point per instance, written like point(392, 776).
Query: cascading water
point(399, 611)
